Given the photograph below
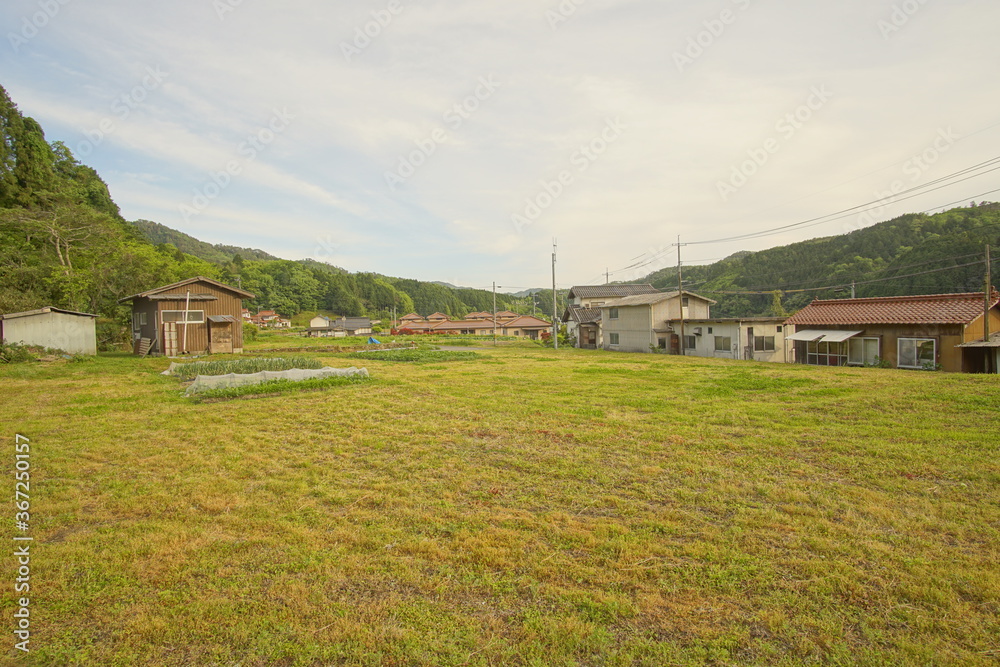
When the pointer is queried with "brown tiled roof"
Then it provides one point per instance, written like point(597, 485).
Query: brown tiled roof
point(528, 322)
point(600, 291)
point(461, 324)
point(924, 309)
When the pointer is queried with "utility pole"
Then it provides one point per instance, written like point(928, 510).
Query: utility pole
point(607, 276)
point(555, 325)
point(852, 290)
point(680, 295)
point(494, 313)
point(987, 298)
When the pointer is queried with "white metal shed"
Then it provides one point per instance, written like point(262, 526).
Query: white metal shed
point(72, 332)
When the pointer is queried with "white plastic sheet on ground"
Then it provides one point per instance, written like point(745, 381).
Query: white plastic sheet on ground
point(206, 382)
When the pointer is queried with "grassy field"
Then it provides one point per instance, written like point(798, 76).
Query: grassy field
point(525, 507)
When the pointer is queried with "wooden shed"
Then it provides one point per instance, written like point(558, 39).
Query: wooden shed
point(50, 327)
point(194, 316)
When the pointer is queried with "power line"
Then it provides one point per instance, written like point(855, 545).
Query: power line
point(817, 221)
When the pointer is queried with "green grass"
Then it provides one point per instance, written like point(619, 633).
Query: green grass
point(528, 507)
point(420, 356)
point(244, 366)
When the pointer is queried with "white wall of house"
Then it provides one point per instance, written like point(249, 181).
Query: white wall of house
point(768, 342)
point(631, 331)
point(319, 321)
point(75, 334)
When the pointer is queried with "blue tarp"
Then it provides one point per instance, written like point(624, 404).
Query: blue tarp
point(372, 341)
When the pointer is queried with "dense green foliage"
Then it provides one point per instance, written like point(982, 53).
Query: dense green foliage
point(897, 257)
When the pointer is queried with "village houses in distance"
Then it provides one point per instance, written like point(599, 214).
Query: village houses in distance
point(949, 332)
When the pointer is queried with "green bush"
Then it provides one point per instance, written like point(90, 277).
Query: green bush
point(15, 353)
point(250, 332)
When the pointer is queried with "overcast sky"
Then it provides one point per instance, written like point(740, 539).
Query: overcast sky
point(446, 140)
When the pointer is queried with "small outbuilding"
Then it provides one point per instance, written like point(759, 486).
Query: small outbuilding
point(197, 316)
point(66, 330)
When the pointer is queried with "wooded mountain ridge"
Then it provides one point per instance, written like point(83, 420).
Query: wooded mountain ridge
point(913, 254)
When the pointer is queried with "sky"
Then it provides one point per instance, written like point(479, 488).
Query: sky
point(455, 141)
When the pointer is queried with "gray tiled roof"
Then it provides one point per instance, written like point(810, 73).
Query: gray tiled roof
point(600, 291)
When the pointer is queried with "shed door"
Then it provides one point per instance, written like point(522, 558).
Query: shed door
point(221, 338)
point(170, 339)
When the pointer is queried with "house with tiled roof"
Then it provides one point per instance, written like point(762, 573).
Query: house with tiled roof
point(643, 322)
point(584, 324)
point(437, 317)
point(583, 298)
point(936, 331)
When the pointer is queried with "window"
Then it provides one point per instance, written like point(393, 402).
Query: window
point(862, 351)
point(779, 328)
point(178, 315)
point(723, 344)
point(684, 302)
point(690, 342)
point(917, 352)
point(763, 343)
point(138, 320)
point(826, 354)
point(614, 339)
point(710, 330)
point(613, 313)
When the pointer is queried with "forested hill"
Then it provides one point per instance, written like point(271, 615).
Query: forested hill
point(156, 234)
point(911, 254)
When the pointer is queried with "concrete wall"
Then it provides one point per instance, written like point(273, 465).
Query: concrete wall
point(72, 333)
point(633, 326)
point(739, 334)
